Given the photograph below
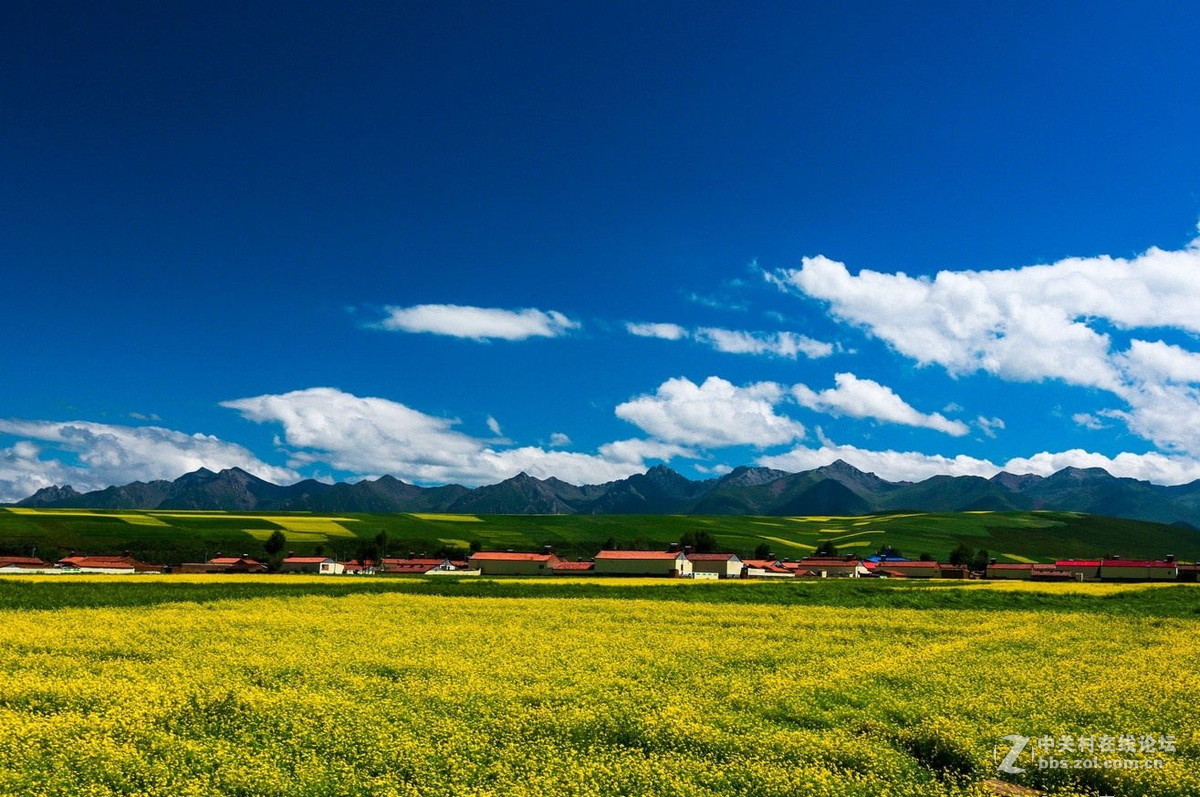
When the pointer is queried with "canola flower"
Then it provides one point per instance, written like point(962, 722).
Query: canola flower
point(403, 694)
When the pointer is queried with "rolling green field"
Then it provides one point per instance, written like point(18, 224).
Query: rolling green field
point(173, 536)
point(317, 687)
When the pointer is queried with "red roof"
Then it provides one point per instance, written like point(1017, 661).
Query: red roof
point(233, 560)
point(573, 566)
point(765, 564)
point(505, 556)
point(108, 561)
point(1112, 563)
point(1011, 566)
point(306, 560)
point(415, 561)
point(909, 565)
point(816, 561)
point(711, 557)
point(22, 561)
point(638, 555)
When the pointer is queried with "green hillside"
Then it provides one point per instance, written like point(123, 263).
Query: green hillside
point(177, 536)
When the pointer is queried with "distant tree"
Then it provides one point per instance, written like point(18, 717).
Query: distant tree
point(275, 543)
point(962, 555)
point(826, 548)
point(319, 550)
point(980, 560)
point(451, 552)
point(699, 541)
point(609, 545)
point(476, 546)
point(381, 542)
point(925, 557)
point(763, 551)
point(367, 551)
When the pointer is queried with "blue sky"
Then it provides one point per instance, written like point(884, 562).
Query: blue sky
point(454, 241)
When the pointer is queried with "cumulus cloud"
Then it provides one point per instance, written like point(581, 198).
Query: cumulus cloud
point(477, 323)
point(110, 454)
point(916, 466)
point(559, 439)
point(374, 436)
point(732, 341)
point(1041, 322)
point(866, 398)
point(713, 414)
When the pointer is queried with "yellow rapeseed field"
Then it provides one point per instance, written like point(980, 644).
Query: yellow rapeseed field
point(408, 694)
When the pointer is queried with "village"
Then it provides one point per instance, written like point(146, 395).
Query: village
point(675, 562)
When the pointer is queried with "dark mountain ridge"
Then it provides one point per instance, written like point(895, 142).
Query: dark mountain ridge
point(834, 489)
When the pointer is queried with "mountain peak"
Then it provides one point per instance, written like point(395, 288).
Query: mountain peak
point(50, 495)
point(1071, 472)
point(745, 476)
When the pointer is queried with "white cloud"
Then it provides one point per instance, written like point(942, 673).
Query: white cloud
point(1041, 322)
point(866, 398)
point(1089, 421)
point(916, 466)
point(639, 450)
point(477, 323)
point(558, 440)
point(655, 330)
point(891, 465)
point(1156, 362)
point(989, 426)
point(780, 344)
point(1153, 467)
point(110, 454)
point(713, 414)
point(732, 341)
point(493, 426)
point(376, 436)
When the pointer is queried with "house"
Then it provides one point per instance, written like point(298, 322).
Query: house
point(1028, 571)
point(1121, 569)
point(1138, 570)
point(829, 566)
point(573, 568)
point(360, 567)
point(112, 565)
point(1189, 572)
point(1088, 569)
point(224, 564)
point(953, 571)
point(420, 565)
point(239, 564)
point(643, 563)
point(510, 563)
point(764, 568)
point(28, 565)
point(724, 565)
point(321, 565)
point(907, 569)
point(1010, 571)
point(1050, 573)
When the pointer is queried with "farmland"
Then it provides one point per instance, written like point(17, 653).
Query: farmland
point(176, 536)
point(171, 685)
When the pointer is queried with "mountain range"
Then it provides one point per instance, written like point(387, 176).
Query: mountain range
point(835, 489)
